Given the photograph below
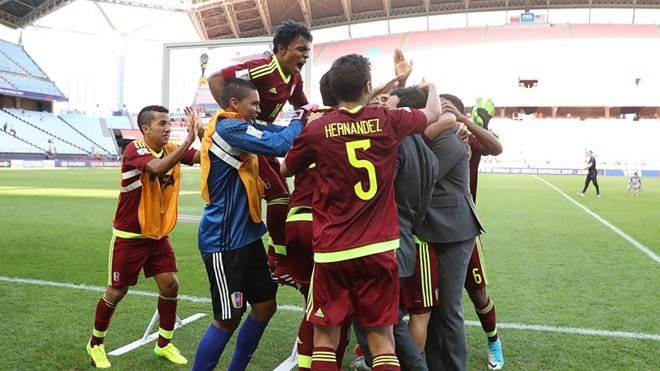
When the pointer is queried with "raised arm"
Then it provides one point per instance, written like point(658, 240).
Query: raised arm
point(216, 83)
point(490, 145)
point(160, 166)
point(432, 109)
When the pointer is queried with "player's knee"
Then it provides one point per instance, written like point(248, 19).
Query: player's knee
point(263, 312)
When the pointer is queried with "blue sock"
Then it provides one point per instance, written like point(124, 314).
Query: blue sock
point(246, 343)
point(210, 349)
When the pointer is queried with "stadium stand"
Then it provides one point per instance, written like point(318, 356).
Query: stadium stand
point(369, 47)
point(95, 129)
point(18, 55)
point(544, 32)
point(119, 122)
point(608, 31)
point(34, 139)
point(448, 37)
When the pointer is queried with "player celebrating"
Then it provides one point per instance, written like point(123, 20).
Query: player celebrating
point(231, 227)
point(635, 184)
point(355, 227)
point(277, 78)
point(146, 214)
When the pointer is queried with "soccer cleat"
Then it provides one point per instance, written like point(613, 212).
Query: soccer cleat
point(495, 356)
point(97, 355)
point(359, 364)
point(580, 194)
point(171, 353)
point(597, 196)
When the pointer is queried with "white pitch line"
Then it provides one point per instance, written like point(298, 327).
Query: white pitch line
point(611, 226)
point(138, 343)
point(293, 308)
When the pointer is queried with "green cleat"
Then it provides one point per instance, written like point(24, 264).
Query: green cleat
point(171, 353)
point(97, 356)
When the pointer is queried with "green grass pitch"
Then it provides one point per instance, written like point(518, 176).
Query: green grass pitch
point(571, 293)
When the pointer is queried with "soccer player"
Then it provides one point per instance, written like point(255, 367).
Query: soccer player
point(299, 242)
point(278, 80)
point(635, 184)
point(482, 142)
point(230, 230)
point(355, 229)
point(592, 174)
point(146, 214)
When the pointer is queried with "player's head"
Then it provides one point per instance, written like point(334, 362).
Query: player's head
point(350, 79)
point(326, 91)
point(412, 97)
point(154, 123)
point(453, 100)
point(291, 46)
point(590, 152)
point(242, 97)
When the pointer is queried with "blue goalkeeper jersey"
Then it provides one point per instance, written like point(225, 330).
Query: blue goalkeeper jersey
point(226, 223)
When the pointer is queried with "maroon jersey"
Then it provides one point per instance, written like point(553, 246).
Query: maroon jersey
point(135, 158)
point(303, 188)
point(355, 153)
point(274, 87)
point(475, 159)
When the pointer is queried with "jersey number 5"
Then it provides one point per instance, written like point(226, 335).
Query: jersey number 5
point(351, 148)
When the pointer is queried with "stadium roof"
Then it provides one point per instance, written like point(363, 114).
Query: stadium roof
point(221, 19)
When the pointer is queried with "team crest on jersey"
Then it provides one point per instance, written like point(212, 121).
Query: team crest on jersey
point(237, 299)
point(293, 87)
point(266, 183)
point(243, 74)
point(115, 276)
point(143, 151)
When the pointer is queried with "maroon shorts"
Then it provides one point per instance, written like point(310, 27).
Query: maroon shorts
point(366, 287)
point(129, 256)
point(275, 185)
point(476, 272)
point(419, 292)
point(299, 249)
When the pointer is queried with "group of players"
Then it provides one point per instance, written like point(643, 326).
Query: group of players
point(397, 173)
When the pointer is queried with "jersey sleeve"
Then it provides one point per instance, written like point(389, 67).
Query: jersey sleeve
point(188, 157)
point(300, 156)
point(247, 138)
point(238, 70)
point(137, 156)
point(406, 121)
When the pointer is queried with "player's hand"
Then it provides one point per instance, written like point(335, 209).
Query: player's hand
point(282, 276)
point(386, 87)
point(483, 111)
point(192, 119)
point(462, 131)
point(302, 112)
point(402, 68)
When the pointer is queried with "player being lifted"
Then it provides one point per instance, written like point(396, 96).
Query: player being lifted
point(277, 78)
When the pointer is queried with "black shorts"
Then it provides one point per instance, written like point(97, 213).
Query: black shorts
point(238, 277)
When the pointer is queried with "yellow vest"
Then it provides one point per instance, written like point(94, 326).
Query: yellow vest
point(158, 212)
point(248, 168)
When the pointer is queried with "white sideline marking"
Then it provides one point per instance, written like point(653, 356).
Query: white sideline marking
point(621, 233)
point(293, 308)
point(189, 218)
point(138, 343)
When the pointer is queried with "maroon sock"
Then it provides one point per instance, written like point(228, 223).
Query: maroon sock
point(488, 321)
point(167, 313)
point(386, 362)
point(305, 344)
point(104, 312)
point(324, 359)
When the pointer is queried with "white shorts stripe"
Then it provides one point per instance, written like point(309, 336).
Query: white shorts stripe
point(221, 284)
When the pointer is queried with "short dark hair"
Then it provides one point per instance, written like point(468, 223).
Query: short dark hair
point(235, 88)
point(147, 114)
point(288, 31)
point(326, 91)
point(457, 102)
point(412, 97)
point(348, 75)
